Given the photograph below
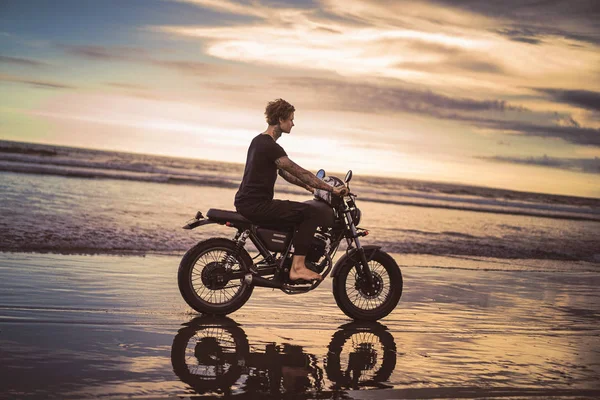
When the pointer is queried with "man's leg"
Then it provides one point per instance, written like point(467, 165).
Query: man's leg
point(302, 240)
point(287, 212)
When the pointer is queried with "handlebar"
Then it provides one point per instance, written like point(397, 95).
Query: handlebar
point(347, 194)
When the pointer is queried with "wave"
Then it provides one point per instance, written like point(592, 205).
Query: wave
point(92, 173)
point(146, 173)
point(543, 212)
point(97, 164)
point(165, 245)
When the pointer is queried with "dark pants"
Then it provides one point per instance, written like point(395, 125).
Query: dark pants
point(285, 213)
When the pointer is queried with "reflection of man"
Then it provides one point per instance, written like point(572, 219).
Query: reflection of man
point(254, 199)
point(295, 379)
point(295, 368)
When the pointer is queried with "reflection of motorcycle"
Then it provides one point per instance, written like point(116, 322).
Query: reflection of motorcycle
point(217, 275)
point(205, 354)
point(212, 354)
point(361, 355)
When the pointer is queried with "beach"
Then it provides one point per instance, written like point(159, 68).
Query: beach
point(431, 166)
point(499, 300)
point(81, 326)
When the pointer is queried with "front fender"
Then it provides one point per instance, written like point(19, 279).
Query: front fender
point(370, 252)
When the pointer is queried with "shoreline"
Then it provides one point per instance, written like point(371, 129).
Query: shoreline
point(403, 259)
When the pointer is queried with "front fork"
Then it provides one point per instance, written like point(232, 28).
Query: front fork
point(365, 271)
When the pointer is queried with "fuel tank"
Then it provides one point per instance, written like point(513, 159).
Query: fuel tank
point(326, 216)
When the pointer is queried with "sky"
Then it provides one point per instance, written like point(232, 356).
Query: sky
point(493, 93)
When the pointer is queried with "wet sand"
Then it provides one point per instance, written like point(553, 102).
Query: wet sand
point(76, 326)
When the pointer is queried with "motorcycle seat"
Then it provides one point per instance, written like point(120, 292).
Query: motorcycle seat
point(223, 216)
point(226, 216)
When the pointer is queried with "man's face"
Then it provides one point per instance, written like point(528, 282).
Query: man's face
point(286, 125)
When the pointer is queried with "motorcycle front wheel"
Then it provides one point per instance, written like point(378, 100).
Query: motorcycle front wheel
point(361, 354)
point(204, 277)
point(360, 301)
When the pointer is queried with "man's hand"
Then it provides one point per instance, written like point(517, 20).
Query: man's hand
point(341, 190)
point(310, 189)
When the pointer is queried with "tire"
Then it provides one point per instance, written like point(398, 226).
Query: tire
point(356, 304)
point(208, 354)
point(203, 262)
point(371, 357)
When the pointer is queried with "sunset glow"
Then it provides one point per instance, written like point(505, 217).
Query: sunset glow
point(495, 94)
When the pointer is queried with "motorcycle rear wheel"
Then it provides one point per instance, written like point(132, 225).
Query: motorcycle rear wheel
point(208, 354)
point(202, 277)
point(357, 300)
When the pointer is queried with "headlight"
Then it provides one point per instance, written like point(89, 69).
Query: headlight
point(356, 214)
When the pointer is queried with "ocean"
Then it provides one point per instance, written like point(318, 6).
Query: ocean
point(499, 297)
point(70, 200)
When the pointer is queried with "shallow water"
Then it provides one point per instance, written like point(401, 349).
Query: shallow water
point(116, 326)
point(70, 215)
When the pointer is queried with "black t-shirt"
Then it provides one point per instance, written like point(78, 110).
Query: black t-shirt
point(260, 173)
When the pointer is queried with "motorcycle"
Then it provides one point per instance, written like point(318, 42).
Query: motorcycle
point(217, 276)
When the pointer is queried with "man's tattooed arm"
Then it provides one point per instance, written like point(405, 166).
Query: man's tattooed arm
point(292, 179)
point(304, 176)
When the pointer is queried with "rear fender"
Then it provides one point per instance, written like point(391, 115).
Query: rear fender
point(353, 257)
point(199, 220)
point(194, 223)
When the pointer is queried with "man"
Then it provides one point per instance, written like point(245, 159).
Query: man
point(254, 199)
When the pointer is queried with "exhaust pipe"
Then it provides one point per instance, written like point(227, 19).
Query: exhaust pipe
point(256, 280)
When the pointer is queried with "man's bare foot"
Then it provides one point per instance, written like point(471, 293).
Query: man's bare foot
point(301, 272)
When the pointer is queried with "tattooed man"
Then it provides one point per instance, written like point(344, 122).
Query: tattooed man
point(254, 199)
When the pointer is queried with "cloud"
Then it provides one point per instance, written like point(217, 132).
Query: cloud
point(22, 61)
point(534, 21)
point(539, 35)
point(329, 39)
point(490, 114)
point(580, 98)
point(35, 82)
point(239, 8)
point(139, 55)
point(189, 67)
point(435, 44)
point(524, 35)
point(353, 53)
point(440, 58)
point(573, 134)
point(136, 90)
point(232, 88)
point(587, 165)
point(464, 62)
point(108, 53)
point(366, 98)
point(128, 86)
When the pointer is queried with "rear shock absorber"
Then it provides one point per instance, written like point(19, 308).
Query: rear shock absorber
point(230, 259)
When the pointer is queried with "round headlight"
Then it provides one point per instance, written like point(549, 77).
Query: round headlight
point(356, 214)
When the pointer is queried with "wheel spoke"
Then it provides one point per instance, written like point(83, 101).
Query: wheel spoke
point(222, 262)
point(363, 298)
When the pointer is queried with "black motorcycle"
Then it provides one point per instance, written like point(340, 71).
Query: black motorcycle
point(217, 275)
